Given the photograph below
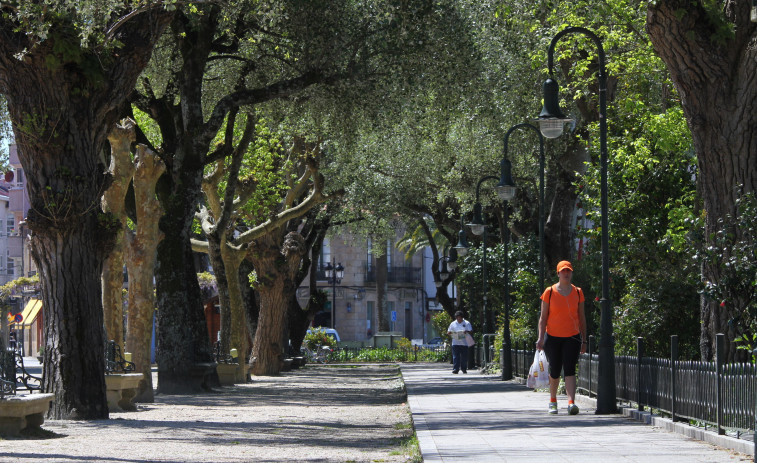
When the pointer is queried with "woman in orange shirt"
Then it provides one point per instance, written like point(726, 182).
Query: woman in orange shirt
point(562, 334)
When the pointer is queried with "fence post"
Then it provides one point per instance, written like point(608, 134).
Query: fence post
point(673, 369)
point(754, 438)
point(639, 355)
point(590, 350)
point(719, 352)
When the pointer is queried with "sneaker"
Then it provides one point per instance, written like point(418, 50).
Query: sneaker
point(553, 408)
point(572, 409)
point(454, 372)
point(465, 372)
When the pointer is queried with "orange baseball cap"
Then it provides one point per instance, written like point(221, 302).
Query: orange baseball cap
point(563, 265)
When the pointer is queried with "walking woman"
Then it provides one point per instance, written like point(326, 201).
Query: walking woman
point(562, 334)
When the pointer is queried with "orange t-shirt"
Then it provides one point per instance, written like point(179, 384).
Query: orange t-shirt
point(563, 319)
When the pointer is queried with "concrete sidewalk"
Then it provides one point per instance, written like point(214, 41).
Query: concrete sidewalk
point(479, 418)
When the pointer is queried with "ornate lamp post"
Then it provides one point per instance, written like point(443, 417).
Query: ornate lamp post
point(507, 371)
point(505, 191)
point(334, 274)
point(551, 120)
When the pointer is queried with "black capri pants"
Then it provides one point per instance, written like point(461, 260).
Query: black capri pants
point(562, 353)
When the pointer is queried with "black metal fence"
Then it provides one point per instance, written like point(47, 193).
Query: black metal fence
point(710, 394)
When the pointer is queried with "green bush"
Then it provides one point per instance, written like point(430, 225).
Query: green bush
point(386, 354)
point(318, 337)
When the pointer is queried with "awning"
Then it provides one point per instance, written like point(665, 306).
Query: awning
point(29, 319)
point(30, 313)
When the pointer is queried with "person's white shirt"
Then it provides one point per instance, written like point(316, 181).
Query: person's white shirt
point(457, 331)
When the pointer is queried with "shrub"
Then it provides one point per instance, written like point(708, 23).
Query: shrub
point(318, 337)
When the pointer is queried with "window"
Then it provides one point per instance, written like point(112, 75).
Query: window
point(10, 225)
point(389, 254)
point(369, 257)
point(325, 253)
point(11, 270)
point(369, 315)
point(19, 177)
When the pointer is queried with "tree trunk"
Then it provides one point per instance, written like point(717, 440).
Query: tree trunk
point(182, 332)
point(122, 170)
point(142, 253)
point(219, 270)
point(714, 72)
point(559, 226)
point(62, 106)
point(382, 285)
point(276, 266)
point(74, 360)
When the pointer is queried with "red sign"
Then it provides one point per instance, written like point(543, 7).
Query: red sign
point(18, 318)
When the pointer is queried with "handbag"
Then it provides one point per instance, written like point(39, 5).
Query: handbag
point(469, 340)
point(538, 374)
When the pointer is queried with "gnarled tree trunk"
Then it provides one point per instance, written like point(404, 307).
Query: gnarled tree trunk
point(276, 265)
point(121, 169)
point(715, 72)
point(62, 105)
point(141, 250)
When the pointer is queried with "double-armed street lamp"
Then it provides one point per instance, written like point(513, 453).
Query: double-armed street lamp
point(507, 370)
point(505, 191)
point(334, 275)
point(551, 121)
point(542, 168)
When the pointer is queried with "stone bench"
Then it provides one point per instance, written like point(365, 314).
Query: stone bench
point(22, 412)
point(121, 390)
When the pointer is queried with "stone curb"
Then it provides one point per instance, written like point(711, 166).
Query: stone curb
point(739, 445)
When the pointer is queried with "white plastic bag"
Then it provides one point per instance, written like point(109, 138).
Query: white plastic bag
point(538, 375)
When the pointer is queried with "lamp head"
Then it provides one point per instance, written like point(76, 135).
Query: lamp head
point(477, 224)
point(339, 271)
point(551, 118)
point(506, 186)
point(328, 270)
point(461, 248)
point(444, 273)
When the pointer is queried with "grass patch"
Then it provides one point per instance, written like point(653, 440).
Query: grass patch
point(410, 448)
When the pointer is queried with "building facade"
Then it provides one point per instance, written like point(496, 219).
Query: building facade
point(352, 307)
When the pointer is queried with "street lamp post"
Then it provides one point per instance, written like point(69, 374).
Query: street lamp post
point(551, 120)
point(505, 191)
point(334, 275)
point(507, 372)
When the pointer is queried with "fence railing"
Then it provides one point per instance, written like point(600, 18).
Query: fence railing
point(711, 394)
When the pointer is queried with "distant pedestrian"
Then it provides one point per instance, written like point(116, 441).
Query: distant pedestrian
point(562, 334)
point(458, 329)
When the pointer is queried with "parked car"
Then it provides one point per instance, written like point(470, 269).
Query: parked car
point(435, 343)
point(329, 332)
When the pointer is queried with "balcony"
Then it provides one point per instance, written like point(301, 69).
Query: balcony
point(411, 275)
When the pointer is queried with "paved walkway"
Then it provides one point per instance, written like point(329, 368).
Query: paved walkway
point(479, 418)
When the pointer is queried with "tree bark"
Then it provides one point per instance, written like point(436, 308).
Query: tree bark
point(182, 332)
point(714, 71)
point(141, 248)
point(121, 170)
point(62, 106)
point(276, 265)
